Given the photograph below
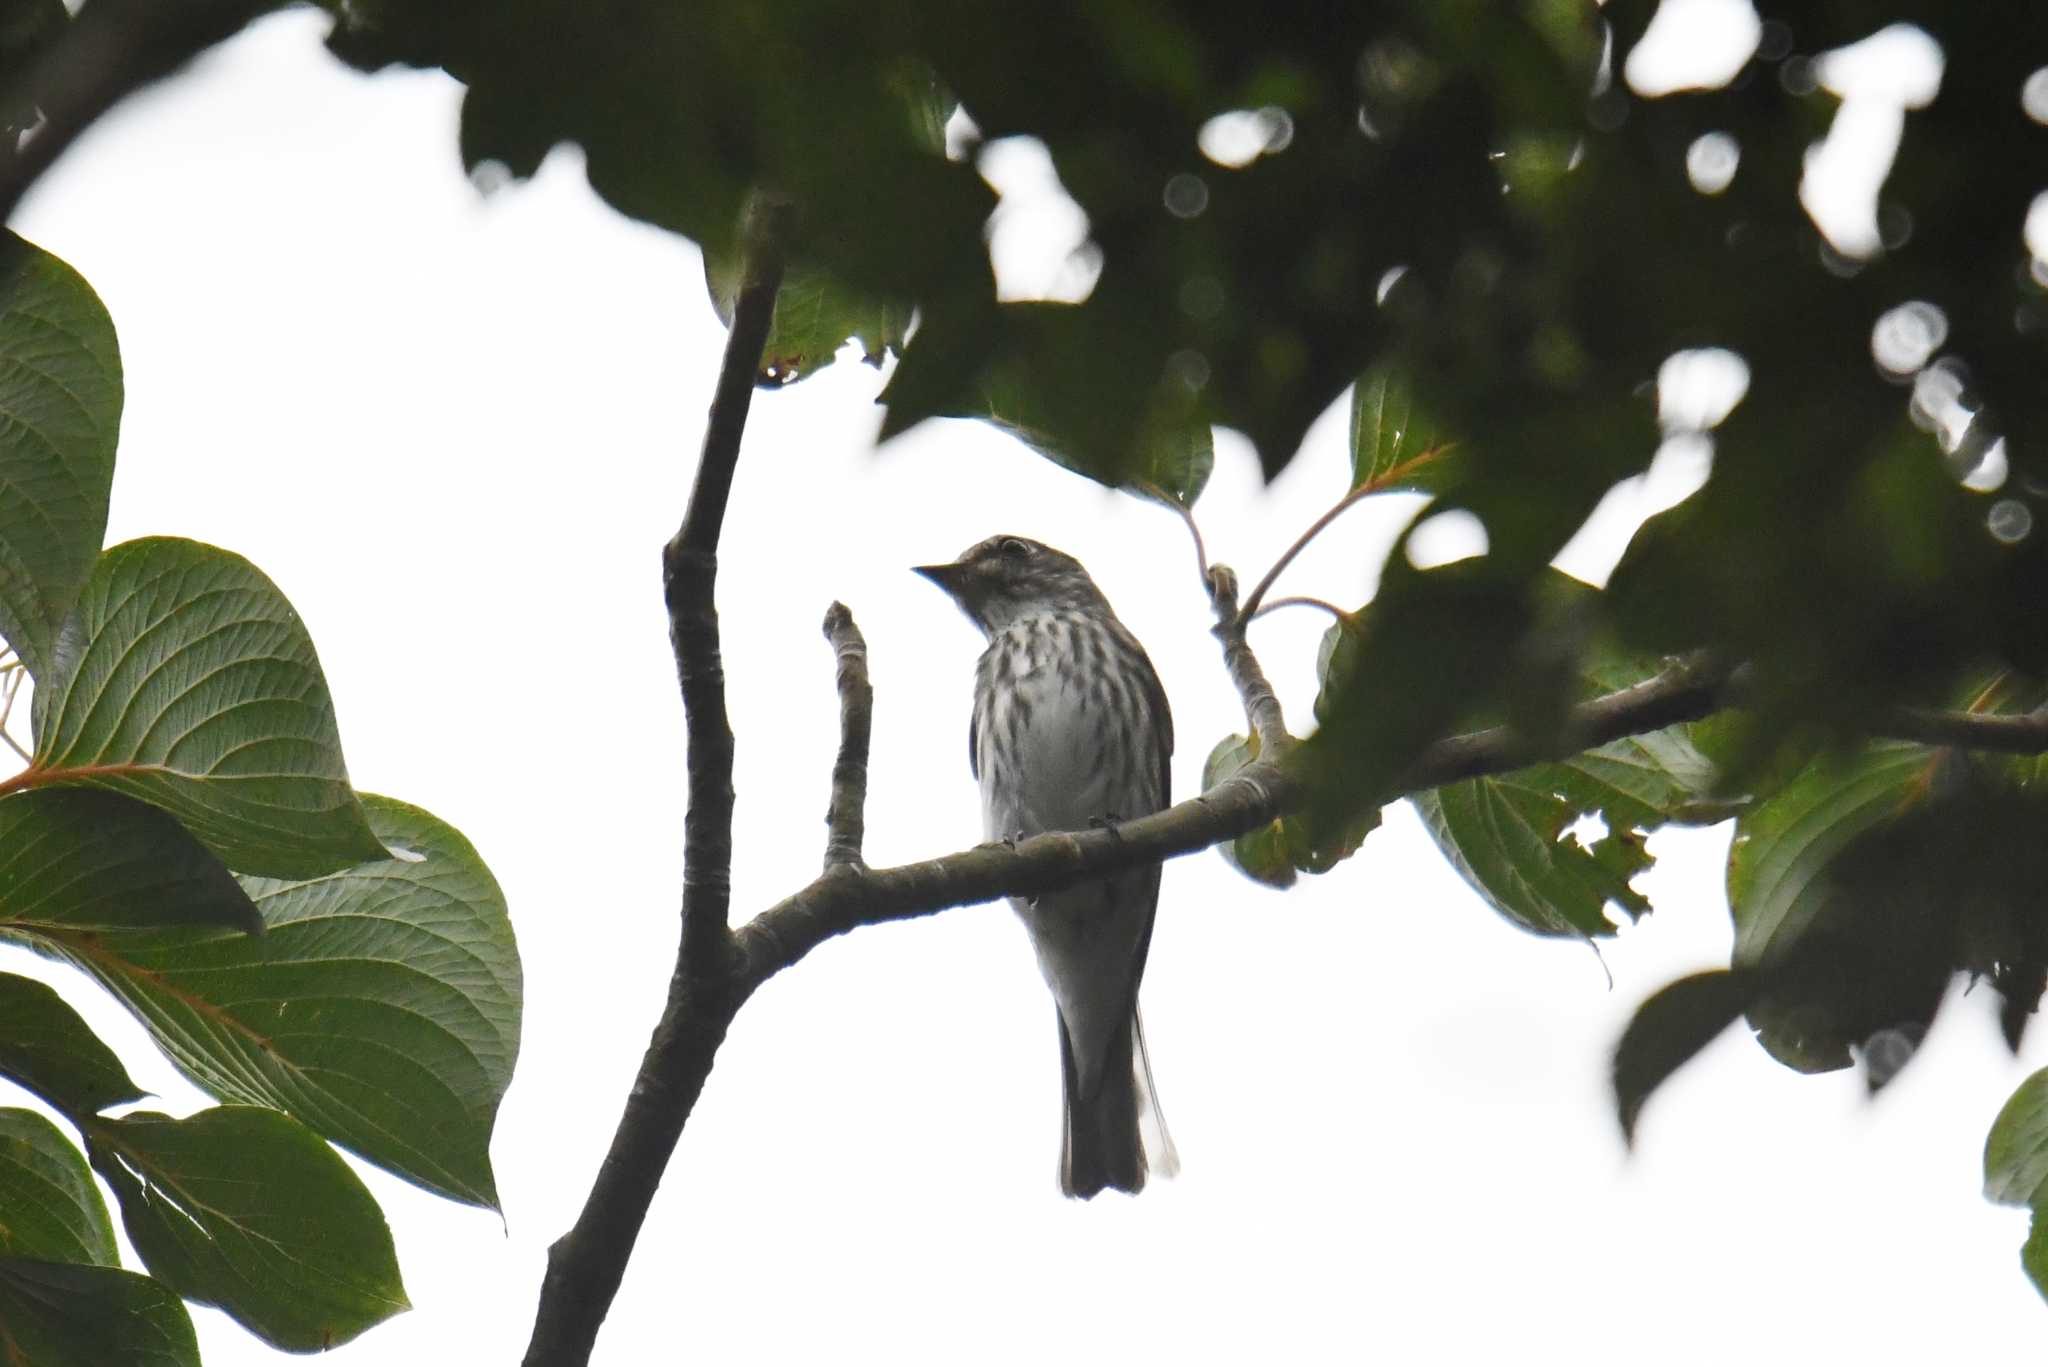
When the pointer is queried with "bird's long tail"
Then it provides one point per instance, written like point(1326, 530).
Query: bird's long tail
point(1110, 1130)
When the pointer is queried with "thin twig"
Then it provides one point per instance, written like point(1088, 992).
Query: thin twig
point(1261, 705)
point(586, 1265)
point(1187, 517)
point(1300, 600)
point(15, 675)
point(1263, 790)
point(1342, 506)
point(1384, 481)
point(845, 818)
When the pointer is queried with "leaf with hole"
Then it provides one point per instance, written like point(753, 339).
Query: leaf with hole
point(815, 316)
point(184, 678)
point(244, 1208)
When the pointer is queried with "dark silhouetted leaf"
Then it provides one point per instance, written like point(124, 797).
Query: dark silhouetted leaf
point(814, 317)
point(1673, 1025)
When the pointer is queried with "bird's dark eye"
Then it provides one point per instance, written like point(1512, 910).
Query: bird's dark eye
point(1015, 548)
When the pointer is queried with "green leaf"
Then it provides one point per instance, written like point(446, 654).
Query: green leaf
point(1394, 445)
point(1863, 896)
point(2016, 1150)
point(381, 1007)
point(244, 1208)
point(52, 1210)
point(1676, 1023)
point(2034, 1253)
point(1779, 863)
point(814, 316)
point(1273, 853)
point(2016, 1168)
point(184, 678)
point(60, 392)
point(1508, 837)
point(1508, 834)
point(46, 1047)
point(1260, 855)
point(67, 1315)
point(81, 863)
point(1175, 449)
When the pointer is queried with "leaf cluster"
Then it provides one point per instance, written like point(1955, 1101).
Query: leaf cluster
point(334, 968)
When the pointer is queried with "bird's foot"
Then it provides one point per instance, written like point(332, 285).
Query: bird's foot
point(1108, 821)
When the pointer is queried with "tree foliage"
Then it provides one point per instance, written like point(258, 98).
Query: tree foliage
point(336, 968)
point(1461, 210)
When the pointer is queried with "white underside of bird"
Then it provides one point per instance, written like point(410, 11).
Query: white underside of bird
point(1082, 771)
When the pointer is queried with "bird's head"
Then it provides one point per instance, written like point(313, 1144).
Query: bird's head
point(1006, 578)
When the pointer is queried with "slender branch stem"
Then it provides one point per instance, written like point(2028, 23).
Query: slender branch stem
point(1261, 705)
point(846, 817)
point(1256, 794)
point(15, 675)
point(1298, 600)
point(1187, 518)
point(586, 1265)
point(1315, 529)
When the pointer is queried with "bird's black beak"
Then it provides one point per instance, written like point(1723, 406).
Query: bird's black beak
point(948, 577)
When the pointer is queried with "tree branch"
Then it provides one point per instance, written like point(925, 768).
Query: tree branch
point(586, 1265)
point(110, 50)
point(1261, 706)
point(1256, 794)
point(845, 818)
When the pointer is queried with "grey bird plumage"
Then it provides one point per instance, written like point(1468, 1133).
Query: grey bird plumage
point(1070, 730)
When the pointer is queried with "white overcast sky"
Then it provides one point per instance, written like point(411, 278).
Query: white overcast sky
point(457, 429)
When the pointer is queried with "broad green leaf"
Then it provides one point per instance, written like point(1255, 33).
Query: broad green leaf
point(381, 1006)
point(1864, 884)
point(1394, 444)
point(46, 1047)
point(244, 1208)
point(80, 863)
point(1779, 863)
point(1676, 1023)
point(49, 1208)
point(2016, 1150)
point(60, 414)
point(814, 317)
point(55, 1314)
point(1510, 838)
point(184, 678)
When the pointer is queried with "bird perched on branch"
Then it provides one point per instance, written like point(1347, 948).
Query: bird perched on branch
point(1071, 730)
